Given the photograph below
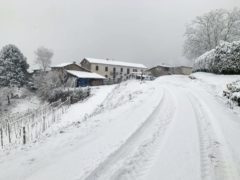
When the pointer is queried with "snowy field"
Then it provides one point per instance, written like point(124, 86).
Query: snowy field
point(171, 128)
point(27, 101)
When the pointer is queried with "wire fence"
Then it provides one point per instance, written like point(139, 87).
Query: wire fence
point(22, 128)
point(29, 126)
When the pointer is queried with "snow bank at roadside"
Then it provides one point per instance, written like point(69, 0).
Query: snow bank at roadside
point(222, 85)
point(217, 82)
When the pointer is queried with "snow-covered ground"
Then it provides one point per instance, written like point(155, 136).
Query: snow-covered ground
point(217, 83)
point(171, 128)
point(26, 101)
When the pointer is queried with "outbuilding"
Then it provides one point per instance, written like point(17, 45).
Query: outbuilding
point(82, 78)
point(162, 70)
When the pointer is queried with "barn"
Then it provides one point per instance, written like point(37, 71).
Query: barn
point(75, 75)
point(83, 78)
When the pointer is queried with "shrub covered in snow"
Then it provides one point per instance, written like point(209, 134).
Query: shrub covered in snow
point(75, 94)
point(225, 59)
point(233, 92)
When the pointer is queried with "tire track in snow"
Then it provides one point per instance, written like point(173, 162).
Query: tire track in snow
point(141, 160)
point(134, 157)
point(216, 160)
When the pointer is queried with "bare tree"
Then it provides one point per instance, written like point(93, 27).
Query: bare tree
point(46, 83)
point(43, 57)
point(207, 31)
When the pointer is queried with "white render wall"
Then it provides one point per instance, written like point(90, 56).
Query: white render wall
point(109, 73)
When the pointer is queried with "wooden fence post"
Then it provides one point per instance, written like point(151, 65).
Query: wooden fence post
point(24, 135)
point(43, 123)
point(53, 115)
point(88, 92)
point(9, 133)
point(1, 133)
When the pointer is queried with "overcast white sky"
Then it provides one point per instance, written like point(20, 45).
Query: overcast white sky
point(145, 31)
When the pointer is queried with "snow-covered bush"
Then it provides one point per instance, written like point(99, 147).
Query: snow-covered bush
point(234, 87)
point(75, 94)
point(225, 59)
point(233, 92)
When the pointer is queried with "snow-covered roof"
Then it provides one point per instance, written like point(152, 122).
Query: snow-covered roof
point(82, 74)
point(115, 63)
point(164, 65)
point(185, 67)
point(63, 64)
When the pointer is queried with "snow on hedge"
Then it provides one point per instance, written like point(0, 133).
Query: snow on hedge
point(225, 59)
point(204, 62)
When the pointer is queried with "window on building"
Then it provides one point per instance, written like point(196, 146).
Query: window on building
point(166, 68)
point(128, 70)
point(106, 76)
point(114, 73)
point(134, 70)
point(96, 68)
point(121, 70)
point(106, 68)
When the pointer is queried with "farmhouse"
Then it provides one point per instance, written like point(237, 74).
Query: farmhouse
point(68, 66)
point(111, 69)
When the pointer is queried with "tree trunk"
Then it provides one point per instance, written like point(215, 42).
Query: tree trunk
point(8, 99)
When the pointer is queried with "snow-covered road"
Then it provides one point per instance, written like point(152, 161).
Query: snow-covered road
point(171, 128)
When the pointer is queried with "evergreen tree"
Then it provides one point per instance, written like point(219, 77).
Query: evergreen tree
point(13, 67)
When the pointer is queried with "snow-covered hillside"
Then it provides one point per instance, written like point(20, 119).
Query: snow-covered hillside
point(171, 128)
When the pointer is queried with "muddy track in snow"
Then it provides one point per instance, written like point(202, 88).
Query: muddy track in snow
point(134, 157)
point(216, 161)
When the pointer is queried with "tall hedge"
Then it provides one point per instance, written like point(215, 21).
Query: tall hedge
point(225, 59)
